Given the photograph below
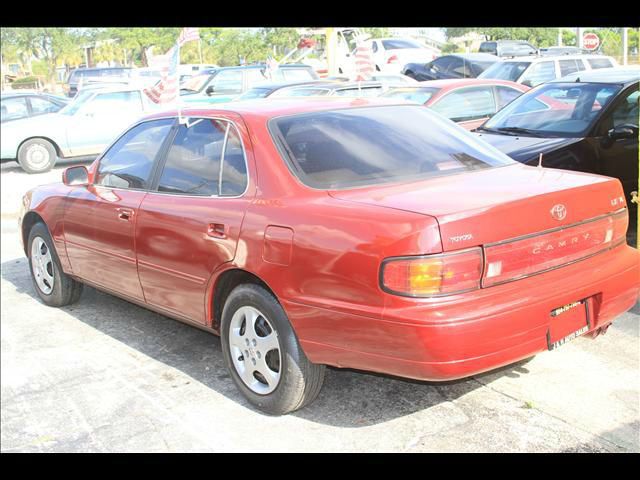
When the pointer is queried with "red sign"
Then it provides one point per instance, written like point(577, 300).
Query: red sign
point(590, 41)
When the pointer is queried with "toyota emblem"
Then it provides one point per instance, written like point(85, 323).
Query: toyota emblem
point(559, 211)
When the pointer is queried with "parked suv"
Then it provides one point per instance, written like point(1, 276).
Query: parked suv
point(508, 48)
point(532, 71)
point(87, 75)
point(226, 83)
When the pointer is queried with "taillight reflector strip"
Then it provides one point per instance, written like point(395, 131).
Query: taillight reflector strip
point(520, 258)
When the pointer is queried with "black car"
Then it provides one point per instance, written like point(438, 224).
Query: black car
point(586, 122)
point(94, 75)
point(462, 65)
point(16, 105)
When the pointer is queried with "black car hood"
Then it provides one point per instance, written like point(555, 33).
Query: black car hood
point(526, 149)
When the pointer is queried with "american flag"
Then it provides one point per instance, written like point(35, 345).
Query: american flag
point(166, 90)
point(188, 35)
point(364, 62)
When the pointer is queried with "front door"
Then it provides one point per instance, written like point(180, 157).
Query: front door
point(189, 223)
point(100, 219)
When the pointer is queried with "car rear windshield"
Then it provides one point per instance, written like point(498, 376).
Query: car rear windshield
point(375, 145)
point(397, 44)
point(416, 95)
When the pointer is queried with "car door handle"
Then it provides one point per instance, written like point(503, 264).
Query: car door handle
point(125, 214)
point(217, 230)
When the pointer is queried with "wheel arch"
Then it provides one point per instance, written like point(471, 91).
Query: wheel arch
point(222, 287)
point(48, 139)
point(28, 221)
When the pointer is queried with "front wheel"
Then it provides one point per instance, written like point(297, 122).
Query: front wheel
point(263, 355)
point(53, 286)
point(37, 155)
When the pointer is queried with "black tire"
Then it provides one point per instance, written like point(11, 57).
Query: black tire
point(65, 290)
point(300, 380)
point(37, 155)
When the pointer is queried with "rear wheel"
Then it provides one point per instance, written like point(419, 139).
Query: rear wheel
point(53, 286)
point(263, 355)
point(37, 155)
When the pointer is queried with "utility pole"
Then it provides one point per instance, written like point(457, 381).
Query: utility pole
point(625, 45)
point(579, 36)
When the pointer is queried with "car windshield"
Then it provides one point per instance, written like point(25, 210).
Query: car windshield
point(397, 44)
point(554, 109)
point(195, 84)
point(510, 71)
point(416, 95)
point(77, 102)
point(376, 145)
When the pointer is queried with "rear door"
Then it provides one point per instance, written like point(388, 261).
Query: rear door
point(100, 219)
point(189, 223)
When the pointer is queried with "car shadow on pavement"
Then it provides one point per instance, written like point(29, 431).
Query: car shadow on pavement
point(349, 398)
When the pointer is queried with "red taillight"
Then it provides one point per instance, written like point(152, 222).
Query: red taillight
point(527, 256)
point(433, 275)
point(392, 59)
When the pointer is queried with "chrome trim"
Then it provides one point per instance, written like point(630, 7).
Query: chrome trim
point(555, 229)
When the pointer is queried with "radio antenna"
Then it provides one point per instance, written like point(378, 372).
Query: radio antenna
point(540, 161)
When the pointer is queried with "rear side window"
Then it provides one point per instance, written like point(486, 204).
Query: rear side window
point(13, 108)
point(466, 104)
point(599, 63)
point(488, 47)
point(374, 145)
point(205, 159)
point(128, 163)
point(397, 44)
point(570, 66)
point(505, 95)
point(115, 102)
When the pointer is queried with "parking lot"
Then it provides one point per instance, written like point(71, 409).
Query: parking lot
point(104, 375)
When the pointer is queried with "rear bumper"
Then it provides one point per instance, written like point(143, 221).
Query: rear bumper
point(463, 335)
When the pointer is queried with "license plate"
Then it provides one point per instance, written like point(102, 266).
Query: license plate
point(567, 322)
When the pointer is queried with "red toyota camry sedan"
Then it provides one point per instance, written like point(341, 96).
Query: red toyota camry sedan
point(355, 233)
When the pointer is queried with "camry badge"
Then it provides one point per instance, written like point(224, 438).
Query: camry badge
point(559, 211)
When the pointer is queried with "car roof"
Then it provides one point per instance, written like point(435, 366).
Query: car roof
point(460, 82)
point(604, 75)
point(312, 83)
point(475, 56)
point(267, 108)
point(546, 58)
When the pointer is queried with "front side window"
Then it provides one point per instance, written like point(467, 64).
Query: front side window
point(128, 163)
point(466, 104)
point(510, 71)
point(255, 76)
point(397, 43)
point(626, 112)
point(196, 157)
point(539, 73)
point(227, 81)
point(14, 108)
point(375, 145)
point(555, 109)
point(442, 64)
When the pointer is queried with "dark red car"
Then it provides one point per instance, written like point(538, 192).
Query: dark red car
point(468, 101)
point(353, 233)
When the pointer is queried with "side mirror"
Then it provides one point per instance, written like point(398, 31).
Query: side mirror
point(209, 90)
point(527, 83)
point(623, 131)
point(75, 176)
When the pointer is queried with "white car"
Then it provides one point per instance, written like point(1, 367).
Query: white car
point(391, 54)
point(532, 71)
point(93, 119)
